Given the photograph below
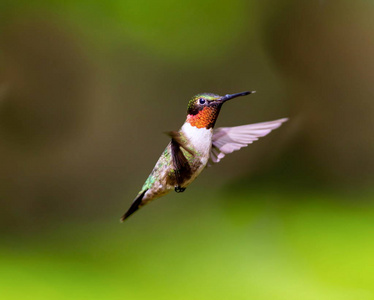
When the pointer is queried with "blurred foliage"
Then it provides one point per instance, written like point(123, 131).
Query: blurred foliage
point(270, 246)
point(88, 87)
point(175, 31)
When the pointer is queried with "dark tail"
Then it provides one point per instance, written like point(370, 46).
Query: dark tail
point(134, 206)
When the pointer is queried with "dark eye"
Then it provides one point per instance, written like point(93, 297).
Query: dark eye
point(201, 100)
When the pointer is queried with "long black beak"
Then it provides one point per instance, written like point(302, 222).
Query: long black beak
point(228, 96)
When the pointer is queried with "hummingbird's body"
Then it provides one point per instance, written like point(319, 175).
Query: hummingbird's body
point(195, 145)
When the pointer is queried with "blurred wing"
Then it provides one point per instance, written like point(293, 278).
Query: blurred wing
point(229, 139)
point(180, 163)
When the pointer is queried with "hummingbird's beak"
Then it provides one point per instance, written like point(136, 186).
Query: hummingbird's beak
point(228, 96)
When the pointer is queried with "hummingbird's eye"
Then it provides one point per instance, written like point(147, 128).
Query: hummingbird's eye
point(201, 100)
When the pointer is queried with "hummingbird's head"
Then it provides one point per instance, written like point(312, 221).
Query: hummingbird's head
point(203, 109)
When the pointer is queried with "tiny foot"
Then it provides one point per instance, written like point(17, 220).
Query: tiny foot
point(179, 189)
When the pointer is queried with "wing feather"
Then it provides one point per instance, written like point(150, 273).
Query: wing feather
point(180, 163)
point(229, 139)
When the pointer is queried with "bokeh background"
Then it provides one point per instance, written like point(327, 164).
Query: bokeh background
point(87, 89)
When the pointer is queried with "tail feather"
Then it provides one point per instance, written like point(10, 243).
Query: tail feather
point(134, 206)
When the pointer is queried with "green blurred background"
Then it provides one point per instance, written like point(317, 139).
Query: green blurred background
point(88, 87)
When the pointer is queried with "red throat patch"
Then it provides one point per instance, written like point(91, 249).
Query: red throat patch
point(205, 118)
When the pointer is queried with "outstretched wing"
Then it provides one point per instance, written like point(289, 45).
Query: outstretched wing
point(228, 139)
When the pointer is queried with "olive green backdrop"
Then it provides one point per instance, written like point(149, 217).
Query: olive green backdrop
point(87, 89)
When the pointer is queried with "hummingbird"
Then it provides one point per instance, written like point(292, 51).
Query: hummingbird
point(197, 145)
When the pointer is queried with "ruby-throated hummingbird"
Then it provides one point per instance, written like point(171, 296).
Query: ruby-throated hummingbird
point(196, 145)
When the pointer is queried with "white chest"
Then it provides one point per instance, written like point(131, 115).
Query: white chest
point(200, 138)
